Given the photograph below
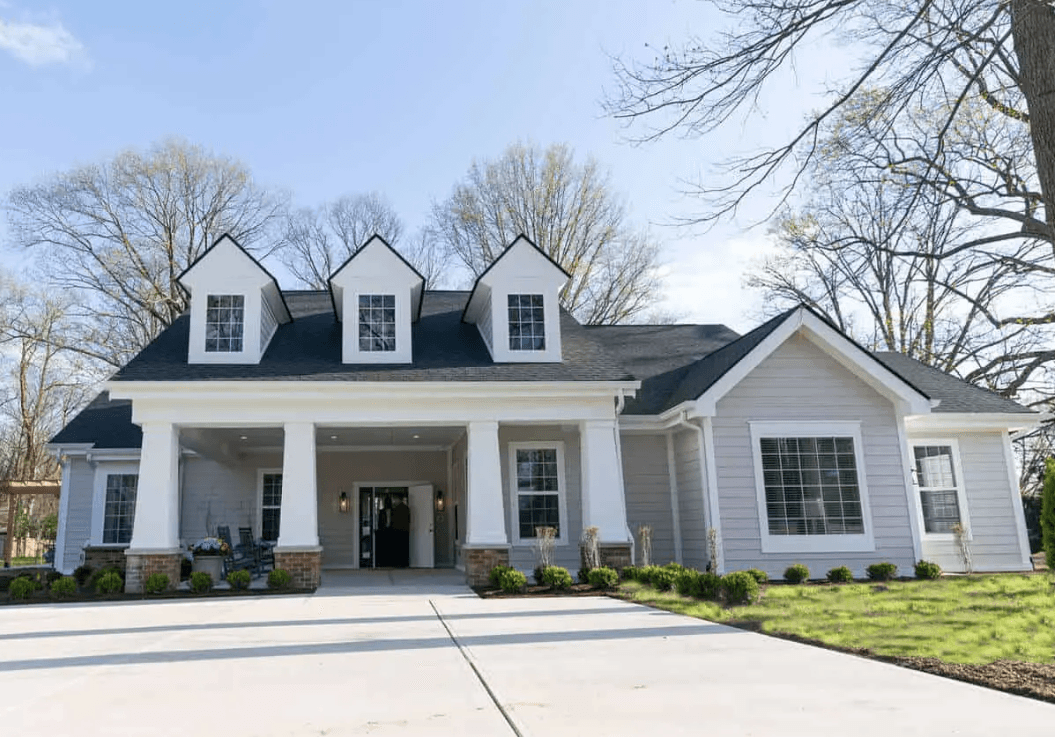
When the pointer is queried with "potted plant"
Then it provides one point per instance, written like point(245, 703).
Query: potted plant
point(209, 554)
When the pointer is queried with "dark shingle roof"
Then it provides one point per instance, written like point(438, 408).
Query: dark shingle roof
point(956, 395)
point(309, 349)
point(105, 422)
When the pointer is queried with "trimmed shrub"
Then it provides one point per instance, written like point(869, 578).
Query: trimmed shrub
point(1047, 514)
point(22, 588)
point(239, 580)
point(494, 576)
point(65, 586)
point(662, 579)
point(83, 574)
point(93, 581)
point(644, 574)
point(110, 582)
point(685, 582)
point(51, 577)
point(739, 587)
point(629, 573)
point(708, 586)
point(556, 577)
point(881, 571)
point(200, 582)
point(156, 583)
point(513, 581)
point(797, 573)
point(759, 575)
point(842, 574)
point(279, 578)
point(927, 570)
point(604, 578)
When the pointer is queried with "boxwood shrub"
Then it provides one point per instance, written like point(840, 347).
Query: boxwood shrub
point(156, 583)
point(604, 578)
point(629, 573)
point(22, 588)
point(882, 571)
point(494, 576)
point(513, 581)
point(759, 575)
point(739, 587)
point(83, 574)
point(662, 579)
point(842, 574)
point(556, 578)
point(927, 570)
point(200, 582)
point(708, 586)
point(110, 582)
point(279, 578)
point(685, 582)
point(65, 586)
point(797, 573)
point(239, 580)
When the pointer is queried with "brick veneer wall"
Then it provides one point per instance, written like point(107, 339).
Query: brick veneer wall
point(305, 566)
point(99, 558)
point(142, 566)
point(480, 561)
point(614, 556)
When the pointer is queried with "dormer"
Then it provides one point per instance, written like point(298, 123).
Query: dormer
point(376, 296)
point(515, 304)
point(235, 305)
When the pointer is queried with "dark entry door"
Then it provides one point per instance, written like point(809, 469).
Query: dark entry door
point(384, 527)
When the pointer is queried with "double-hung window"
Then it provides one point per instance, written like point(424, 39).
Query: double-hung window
point(270, 505)
point(940, 486)
point(377, 322)
point(224, 323)
point(537, 477)
point(527, 323)
point(119, 509)
point(811, 487)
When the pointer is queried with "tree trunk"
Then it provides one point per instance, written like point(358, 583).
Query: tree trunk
point(1033, 29)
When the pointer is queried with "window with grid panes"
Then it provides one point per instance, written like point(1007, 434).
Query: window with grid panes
point(377, 322)
point(270, 506)
point(811, 486)
point(224, 323)
point(120, 509)
point(527, 323)
point(938, 490)
point(538, 490)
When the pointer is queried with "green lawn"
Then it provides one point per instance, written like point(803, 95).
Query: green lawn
point(975, 619)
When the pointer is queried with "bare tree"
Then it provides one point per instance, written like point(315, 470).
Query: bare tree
point(317, 241)
point(115, 235)
point(1001, 52)
point(44, 381)
point(568, 209)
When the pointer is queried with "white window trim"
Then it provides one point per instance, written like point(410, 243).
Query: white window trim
point(961, 488)
point(245, 321)
point(102, 470)
point(851, 543)
point(258, 516)
point(509, 325)
point(562, 489)
point(395, 323)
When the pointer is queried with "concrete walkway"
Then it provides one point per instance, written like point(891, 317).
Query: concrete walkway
point(372, 656)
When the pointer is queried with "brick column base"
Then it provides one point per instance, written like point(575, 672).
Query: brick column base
point(140, 565)
point(614, 555)
point(480, 561)
point(305, 566)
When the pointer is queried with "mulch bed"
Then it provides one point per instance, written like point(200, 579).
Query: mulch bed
point(576, 589)
point(1033, 680)
point(82, 597)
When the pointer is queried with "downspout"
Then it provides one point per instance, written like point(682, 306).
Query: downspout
point(620, 403)
point(708, 477)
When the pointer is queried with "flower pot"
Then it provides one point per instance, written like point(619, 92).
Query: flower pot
point(211, 564)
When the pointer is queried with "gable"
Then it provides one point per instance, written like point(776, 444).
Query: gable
point(379, 265)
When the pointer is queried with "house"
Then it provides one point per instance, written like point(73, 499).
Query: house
point(315, 417)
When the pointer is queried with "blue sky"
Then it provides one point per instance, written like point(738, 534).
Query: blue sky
point(332, 98)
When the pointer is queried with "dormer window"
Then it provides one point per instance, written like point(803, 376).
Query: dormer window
point(527, 323)
point(377, 322)
point(224, 323)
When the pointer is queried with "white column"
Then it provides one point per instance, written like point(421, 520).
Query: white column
point(156, 525)
point(298, 525)
point(485, 521)
point(603, 498)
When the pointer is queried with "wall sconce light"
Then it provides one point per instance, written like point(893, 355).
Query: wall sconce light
point(343, 503)
point(439, 500)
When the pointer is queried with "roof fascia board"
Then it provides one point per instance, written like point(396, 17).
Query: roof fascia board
point(971, 422)
point(835, 344)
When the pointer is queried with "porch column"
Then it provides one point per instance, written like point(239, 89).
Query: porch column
point(298, 548)
point(603, 497)
point(155, 529)
point(486, 542)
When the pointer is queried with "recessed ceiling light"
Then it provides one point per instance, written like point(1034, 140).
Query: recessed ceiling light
point(333, 437)
point(415, 436)
point(244, 437)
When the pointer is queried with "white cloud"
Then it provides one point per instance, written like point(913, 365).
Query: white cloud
point(39, 44)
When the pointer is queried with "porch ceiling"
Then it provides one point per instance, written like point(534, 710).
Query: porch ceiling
point(228, 441)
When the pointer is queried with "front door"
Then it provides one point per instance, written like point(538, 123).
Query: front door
point(422, 542)
point(385, 520)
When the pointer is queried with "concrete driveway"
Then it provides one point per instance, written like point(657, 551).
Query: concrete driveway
point(419, 655)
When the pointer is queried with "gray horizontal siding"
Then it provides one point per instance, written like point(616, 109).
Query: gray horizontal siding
point(647, 482)
point(78, 530)
point(991, 506)
point(800, 382)
point(690, 499)
point(217, 494)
